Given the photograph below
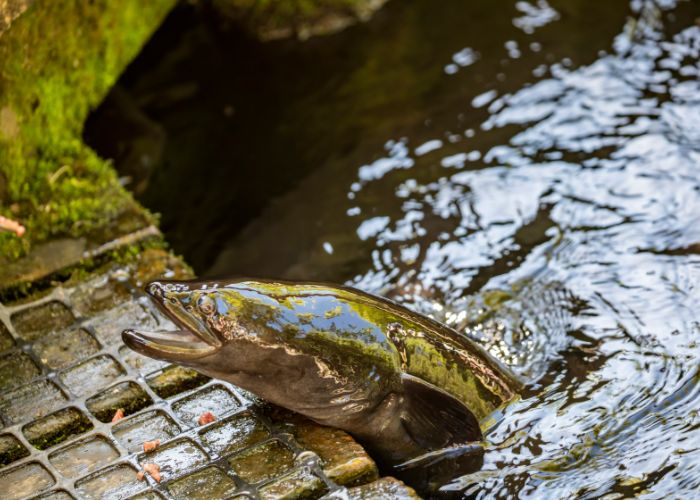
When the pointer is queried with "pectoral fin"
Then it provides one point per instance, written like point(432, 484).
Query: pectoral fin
point(435, 419)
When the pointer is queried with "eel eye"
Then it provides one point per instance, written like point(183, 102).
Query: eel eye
point(206, 305)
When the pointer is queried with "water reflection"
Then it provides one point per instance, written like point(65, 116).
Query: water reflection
point(528, 181)
point(595, 192)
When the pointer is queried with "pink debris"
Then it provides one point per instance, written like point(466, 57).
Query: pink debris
point(153, 470)
point(10, 225)
point(206, 418)
point(151, 445)
point(118, 415)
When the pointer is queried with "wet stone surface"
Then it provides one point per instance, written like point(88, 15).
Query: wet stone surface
point(32, 400)
point(85, 456)
point(16, 369)
point(175, 458)
point(93, 374)
point(115, 482)
point(127, 396)
point(299, 484)
point(11, 449)
point(64, 372)
point(211, 482)
point(174, 379)
point(24, 481)
point(32, 323)
point(56, 428)
point(234, 434)
point(263, 462)
point(215, 399)
point(131, 433)
point(62, 348)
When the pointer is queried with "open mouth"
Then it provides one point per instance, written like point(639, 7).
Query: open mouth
point(172, 345)
point(185, 342)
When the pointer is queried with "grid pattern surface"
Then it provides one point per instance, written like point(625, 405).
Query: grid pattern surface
point(64, 372)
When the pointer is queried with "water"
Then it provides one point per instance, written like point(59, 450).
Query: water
point(528, 175)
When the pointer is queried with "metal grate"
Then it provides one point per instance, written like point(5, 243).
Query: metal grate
point(63, 373)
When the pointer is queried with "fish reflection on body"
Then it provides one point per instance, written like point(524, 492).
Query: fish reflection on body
point(403, 384)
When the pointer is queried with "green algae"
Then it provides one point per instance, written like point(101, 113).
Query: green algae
point(56, 428)
point(58, 60)
point(11, 449)
point(174, 380)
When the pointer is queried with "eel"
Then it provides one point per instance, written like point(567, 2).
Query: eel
point(401, 383)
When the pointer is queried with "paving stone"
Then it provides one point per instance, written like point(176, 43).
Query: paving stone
point(386, 488)
point(30, 401)
point(61, 348)
point(234, 434)
point(206, 484)
point(83, 457)
point(301, 483)
point(33, 323)
point(174, 380)
point(56, 428)
point(115, 482)
point(11, 449)
point(263, 461)
point(175, 458)
point(110, 324)
point(142, 364)
point(6, 340)
point(16, 369)
point(133, 432)
point(91, 375)
point(128, 396)
point(344, 461)
point(25, 480)
point(216, 399)
point(98, 294)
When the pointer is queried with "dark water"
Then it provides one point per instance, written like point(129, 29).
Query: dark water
point(527, 172)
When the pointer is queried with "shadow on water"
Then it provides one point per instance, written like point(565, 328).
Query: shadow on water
point(526, 172)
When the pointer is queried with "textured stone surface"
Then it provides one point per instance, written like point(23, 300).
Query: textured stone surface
point(11, 449)
point(24, 481)
point(263, 462)
point(211, 482)
point(56, 428)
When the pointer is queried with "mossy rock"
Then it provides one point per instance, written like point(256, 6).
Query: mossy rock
point(57, 61)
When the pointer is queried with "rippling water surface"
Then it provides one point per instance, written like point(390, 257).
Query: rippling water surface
point(533, 182)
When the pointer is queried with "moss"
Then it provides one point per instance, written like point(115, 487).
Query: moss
point(127, 396)
point(56, 428)
point(58, 60)
point(176, 379)
point(11, 450)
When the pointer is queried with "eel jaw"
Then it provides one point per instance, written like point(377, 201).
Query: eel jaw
point(174, 346)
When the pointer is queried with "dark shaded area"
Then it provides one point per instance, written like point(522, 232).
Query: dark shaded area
point(212, 127)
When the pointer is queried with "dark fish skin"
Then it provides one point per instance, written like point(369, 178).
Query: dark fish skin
point(398, 381)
